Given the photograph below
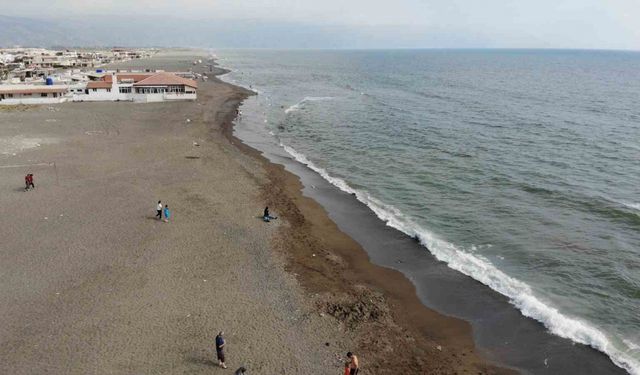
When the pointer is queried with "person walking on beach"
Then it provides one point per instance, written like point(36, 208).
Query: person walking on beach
point(159, 210)
point(352, 363)
point(28, 181)
point(167, 213)
point(220, 349)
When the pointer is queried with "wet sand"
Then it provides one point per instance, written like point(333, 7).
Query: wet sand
point(90, 282)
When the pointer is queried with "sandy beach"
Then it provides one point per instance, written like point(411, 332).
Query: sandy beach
point(92, 283)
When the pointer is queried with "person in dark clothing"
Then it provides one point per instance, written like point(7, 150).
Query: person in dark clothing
point(266, 217)
point(220, 349)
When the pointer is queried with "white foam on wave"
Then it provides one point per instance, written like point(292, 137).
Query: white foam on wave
point(478, 267)
point(635, 206)
point(228, 78)
point(298, 105)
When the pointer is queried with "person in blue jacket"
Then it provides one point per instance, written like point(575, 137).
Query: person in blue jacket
point(220, 349)
point(167, 213)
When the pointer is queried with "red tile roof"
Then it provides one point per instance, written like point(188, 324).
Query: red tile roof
point(136, 77)
point(32, 90)
point(166, 79)
point(99, 85)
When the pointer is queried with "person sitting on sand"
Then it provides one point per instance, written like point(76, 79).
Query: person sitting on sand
point(241, 371)
point(159, 210)
point(167, 213)
point(220, 349)
point(266, 217)
point(354, 367)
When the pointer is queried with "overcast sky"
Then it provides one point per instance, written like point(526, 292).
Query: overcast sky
point(613, 24)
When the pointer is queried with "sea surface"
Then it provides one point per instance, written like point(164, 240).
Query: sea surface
point(518, 168)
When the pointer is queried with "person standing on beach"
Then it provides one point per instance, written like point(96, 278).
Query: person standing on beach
point(354, 367)
point(167, 213)
point(220, 349)
point(159, 210)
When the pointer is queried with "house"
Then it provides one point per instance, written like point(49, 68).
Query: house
point(32, 94)
point(140, 87)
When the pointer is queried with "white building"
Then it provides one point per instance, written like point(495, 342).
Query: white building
point(138, 87)
point(142, 87)
point(32, 94)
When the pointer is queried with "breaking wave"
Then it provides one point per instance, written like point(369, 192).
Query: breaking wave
point(635, 206)
point(300, 104)
point(481, 269)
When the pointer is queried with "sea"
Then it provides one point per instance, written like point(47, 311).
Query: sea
point(516, 169)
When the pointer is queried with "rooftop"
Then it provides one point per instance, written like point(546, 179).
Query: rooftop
point(31, 89)
point(165, 79)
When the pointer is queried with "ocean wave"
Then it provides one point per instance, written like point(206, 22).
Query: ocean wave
point(604, 206)
point(298, 105)
point(481, 269)
point(227, 78)
point(635, 206)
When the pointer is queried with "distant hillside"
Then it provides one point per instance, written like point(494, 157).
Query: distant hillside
point(154, 31)
point(35, 32)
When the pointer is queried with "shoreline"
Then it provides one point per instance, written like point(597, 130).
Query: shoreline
point(502, 334)
point(382, 303)
point(84, 282)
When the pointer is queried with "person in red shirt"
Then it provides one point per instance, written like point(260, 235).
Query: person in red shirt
point(28, 181)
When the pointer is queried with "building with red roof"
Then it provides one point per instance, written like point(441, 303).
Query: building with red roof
point(32, 94)
point(139, 87)
point(142, 87)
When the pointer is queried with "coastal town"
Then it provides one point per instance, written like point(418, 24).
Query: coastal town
point(44, 76)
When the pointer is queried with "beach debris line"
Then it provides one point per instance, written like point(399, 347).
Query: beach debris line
point(360, 306)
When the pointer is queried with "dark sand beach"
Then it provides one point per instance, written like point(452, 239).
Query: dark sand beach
point(91, 282)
